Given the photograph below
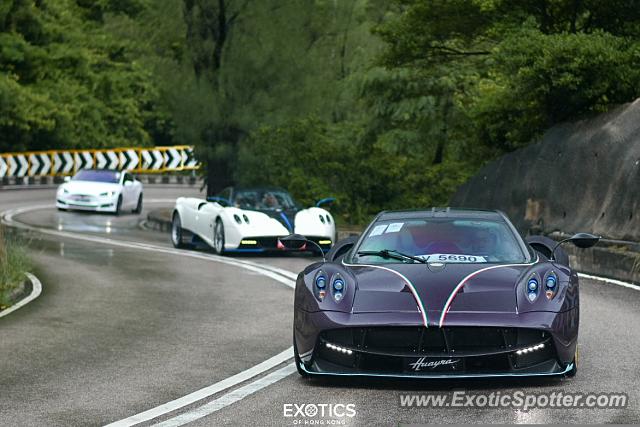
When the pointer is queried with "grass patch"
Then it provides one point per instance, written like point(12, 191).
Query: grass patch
point(14, 262)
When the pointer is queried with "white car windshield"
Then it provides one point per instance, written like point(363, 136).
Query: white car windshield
point(107, 176)
point(440, 240)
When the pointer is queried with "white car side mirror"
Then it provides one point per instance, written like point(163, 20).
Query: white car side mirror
point(67, 178)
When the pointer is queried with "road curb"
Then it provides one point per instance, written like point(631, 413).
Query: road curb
point(36, 290)
point(159, 220)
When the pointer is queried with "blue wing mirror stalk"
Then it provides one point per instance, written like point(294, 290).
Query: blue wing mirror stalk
point(326, 201)
point(298, 241)
point(221, 200)
point(580, 240)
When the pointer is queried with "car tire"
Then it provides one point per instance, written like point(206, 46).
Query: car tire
point(572, 373)
point(218, 237)
point(119, 205)
point(177, 237)
point(138, 209)
point(542, 244)
point(298, 361)
point(340, 249)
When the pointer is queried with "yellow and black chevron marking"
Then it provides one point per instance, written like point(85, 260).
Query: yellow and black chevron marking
point(68, 162)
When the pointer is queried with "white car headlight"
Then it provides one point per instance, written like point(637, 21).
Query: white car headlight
point(108, 194)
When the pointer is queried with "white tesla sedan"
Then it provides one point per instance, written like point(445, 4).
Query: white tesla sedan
point(101, 190)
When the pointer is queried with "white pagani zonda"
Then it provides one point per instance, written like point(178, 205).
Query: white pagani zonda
point(249, 220)
point(101, 190)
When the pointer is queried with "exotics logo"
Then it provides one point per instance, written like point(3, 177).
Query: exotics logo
point(432, 364)
point(319, 413)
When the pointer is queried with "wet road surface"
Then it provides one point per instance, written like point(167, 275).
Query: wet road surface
point(118, 330)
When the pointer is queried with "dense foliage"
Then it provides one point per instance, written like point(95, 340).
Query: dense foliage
point(384, 104)
point(65, 82)
point(516, 68)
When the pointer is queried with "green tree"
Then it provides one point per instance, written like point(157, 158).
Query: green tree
point(519, 67)
point(269, 62)
point(64, 82)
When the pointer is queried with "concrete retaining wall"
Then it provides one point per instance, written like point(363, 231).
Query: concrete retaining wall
point(616, 263)
point(582, 176)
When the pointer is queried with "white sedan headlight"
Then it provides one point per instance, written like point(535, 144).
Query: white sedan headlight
point(108, 194)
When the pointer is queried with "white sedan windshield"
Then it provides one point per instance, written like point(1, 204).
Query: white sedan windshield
point(112, 177)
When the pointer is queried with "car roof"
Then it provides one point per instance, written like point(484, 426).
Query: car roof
point(442, 213)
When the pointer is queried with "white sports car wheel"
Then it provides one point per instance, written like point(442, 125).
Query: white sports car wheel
point(218, 237)
point(176, 232)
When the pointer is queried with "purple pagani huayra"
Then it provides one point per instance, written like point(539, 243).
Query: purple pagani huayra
point(439, 293)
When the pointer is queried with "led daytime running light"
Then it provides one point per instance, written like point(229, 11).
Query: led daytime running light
point(339, 349)
point(530, 349)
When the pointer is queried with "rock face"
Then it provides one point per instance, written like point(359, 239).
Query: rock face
point(582, 176)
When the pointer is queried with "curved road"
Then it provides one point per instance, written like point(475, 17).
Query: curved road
point(126, 324)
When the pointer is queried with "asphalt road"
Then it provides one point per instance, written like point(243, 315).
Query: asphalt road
point(119, 330)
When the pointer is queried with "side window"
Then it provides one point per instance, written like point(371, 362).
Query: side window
point(128, 177)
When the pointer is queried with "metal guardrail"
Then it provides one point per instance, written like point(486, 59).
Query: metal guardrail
point(68, 162)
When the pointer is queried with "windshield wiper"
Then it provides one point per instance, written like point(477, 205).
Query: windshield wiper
point(392, 253)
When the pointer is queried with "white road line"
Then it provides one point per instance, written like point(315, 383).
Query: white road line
point(610, 281)
point(229, 398)
point(36, 290)
point(207, 391)
point(7, 218)
point(280, 275)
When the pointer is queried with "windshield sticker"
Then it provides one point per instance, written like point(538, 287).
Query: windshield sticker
point(378, 230)
point(453, 258)
point(395, 227)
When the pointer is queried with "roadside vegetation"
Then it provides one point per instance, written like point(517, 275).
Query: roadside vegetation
point(381, 103)
point(14, 262)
